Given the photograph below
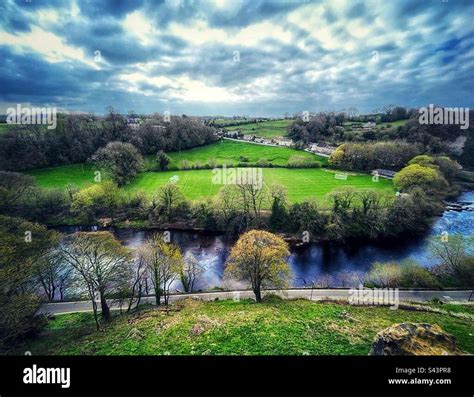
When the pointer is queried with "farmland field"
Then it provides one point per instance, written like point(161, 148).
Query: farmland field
point(265, 129)
point(301, 184)
point(223, 152)
point(232, 152)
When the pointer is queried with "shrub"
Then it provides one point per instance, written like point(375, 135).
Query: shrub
point(414, 275)
point(382, 275)
point(185, 165)
point(99, 199)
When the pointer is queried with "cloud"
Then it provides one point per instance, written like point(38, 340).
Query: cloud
point(230, 57)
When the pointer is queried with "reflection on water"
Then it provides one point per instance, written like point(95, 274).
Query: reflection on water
point(310, 262)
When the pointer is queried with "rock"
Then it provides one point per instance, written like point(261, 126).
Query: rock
point(411, 339)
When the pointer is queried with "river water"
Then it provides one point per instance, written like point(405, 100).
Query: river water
point(326, 264)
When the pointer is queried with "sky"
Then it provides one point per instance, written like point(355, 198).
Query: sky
point(256, 58)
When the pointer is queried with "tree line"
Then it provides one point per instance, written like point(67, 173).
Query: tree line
point(345, 214)
point(436, 139)
point(78, 137)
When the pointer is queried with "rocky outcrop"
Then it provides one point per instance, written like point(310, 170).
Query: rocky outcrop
point(411, 339)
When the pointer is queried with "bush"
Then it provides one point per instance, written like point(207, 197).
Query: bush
point(96, 200)
point(408, 274)
point(383, 275)
point(414, 275)
point(185, 165)
point(263, 162)
point(18, 319)
point(212, 163)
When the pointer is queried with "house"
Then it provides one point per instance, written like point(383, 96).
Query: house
point(384, 173)
point(233, 134)
point(321, 148)
point(249, 137)
point(133, 122)
point(370, 125)
point(284, 142)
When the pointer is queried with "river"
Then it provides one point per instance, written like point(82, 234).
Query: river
point(325, 263)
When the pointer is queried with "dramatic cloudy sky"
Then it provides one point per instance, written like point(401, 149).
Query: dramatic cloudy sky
point(234, 57)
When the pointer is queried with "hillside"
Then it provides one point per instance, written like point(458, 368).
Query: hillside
point(274, 327)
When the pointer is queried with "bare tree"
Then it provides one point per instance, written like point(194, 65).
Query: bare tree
point(138, 280)
point(163, 261)
point(190, 272)
point(53, 276)
point(102, 264)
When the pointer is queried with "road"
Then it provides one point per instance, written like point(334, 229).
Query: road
point(316, 294)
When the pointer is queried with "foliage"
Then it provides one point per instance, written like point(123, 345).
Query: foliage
point(259, 258)
point(24, 247)
point(121, 160)
point(163, 160)
point(416, 175)
point(95, 200)
point(164, 263)
point(169, 202)
point(369, 156)
point(77, 137)
point(454, 253)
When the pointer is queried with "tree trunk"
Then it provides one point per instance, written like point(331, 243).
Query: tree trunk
point(105, 307)
point(258, 295)
point(158, 297)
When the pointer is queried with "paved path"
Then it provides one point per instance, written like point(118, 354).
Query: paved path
point(316, 294)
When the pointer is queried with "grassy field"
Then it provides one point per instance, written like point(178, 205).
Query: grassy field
point(301, 184)
point(232, 152)
point(265, 129)
point(228, 327)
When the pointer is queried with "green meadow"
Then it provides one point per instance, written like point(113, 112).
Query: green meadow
point(301, 184)
point(233, 152)
point(265, 129)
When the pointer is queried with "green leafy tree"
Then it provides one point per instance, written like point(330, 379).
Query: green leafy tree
point(259, 257)
point(23, 246)
point(121, 160)
point(95, 200)
point(416, 175)
point(168, 201)
point(163, 160)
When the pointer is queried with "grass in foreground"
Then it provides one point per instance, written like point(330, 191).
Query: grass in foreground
point(274, 327)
